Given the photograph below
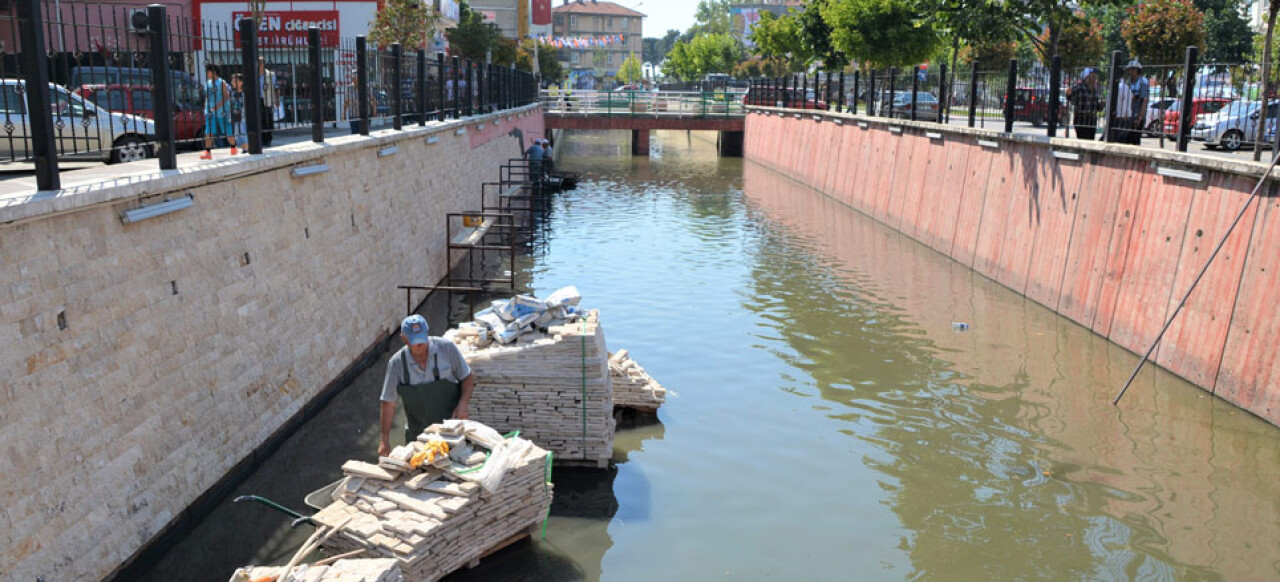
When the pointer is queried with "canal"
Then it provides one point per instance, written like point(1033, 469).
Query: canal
point(829, 421)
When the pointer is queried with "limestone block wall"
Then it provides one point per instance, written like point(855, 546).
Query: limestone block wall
point(142, 361)
point(1098, 235)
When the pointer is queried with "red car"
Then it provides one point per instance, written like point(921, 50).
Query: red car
point(188, 120)
point(770, 97)
point(1199, 106)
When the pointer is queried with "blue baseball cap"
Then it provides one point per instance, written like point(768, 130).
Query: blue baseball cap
point(1088, 71)
point(414, 327)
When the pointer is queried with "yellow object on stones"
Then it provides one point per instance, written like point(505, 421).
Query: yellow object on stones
point(429, 453)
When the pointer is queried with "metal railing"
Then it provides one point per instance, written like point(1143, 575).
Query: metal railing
point(689, 104)
point(1224, 100)
point(121, 83)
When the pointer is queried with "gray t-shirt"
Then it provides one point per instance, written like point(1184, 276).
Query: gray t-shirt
point(442, 353)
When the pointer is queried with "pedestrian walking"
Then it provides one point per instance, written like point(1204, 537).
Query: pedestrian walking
point(1085, 103)
point(1139, 90)
point(217, 110)
point(239, 137)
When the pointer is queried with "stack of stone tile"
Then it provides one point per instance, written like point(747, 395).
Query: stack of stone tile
point(436, 518)
point(553, 386)
point(348, 570)
point(632, 386)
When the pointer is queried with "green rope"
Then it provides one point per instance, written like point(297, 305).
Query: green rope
point(544, 490)
point(512, 434)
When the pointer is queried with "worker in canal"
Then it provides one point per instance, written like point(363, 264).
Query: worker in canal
point(432, 378)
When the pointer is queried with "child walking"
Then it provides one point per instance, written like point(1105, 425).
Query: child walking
point(240, 135)
point(217, 110)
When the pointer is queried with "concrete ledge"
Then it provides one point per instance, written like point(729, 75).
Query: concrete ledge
point(1238, 167)
point(142, 179)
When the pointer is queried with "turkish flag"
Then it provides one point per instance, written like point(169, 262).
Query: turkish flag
point(541, 12)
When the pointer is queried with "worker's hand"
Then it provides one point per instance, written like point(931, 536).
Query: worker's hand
point(461, 412)
point(384, 448)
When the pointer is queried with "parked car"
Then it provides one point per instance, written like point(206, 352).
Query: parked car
point(81, 129)
point(188, 121)
point(1030, 105)
point(1199, 106)
point(1234, 126)
point(187, 90)
point(927, 106)
point(1155, 114)
point(772, 97)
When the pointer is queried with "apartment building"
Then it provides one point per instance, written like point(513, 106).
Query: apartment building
point(593, 18)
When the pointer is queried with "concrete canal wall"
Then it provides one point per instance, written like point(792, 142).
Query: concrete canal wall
point(144, 361)
point(1096, 232)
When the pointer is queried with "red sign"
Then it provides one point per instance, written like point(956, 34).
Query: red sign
point(289, 29)
point(541, 12)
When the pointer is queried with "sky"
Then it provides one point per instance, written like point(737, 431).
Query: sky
point(662, 15)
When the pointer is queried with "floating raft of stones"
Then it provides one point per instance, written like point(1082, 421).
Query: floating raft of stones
point(348, 570)
point(632, 386)
point(440, 516)
point(554, 387)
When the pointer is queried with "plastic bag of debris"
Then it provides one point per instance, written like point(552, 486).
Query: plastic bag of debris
point(503, 458)
point(490, 320)
point(564, 297)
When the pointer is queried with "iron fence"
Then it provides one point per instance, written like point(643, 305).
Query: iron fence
point(100, 68)
point(1101, 102)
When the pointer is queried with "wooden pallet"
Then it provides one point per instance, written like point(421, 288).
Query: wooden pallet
point(588, 463)
point(514, 539)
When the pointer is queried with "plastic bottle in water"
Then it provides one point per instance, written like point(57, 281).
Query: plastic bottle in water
point(959, 326)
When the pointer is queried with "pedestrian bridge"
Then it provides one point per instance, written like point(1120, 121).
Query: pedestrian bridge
point(643, 111)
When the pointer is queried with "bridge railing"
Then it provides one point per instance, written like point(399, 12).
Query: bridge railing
point(687, 104)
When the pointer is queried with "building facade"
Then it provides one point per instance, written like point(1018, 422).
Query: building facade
point(594, 19)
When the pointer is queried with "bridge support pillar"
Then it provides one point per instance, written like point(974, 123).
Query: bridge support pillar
point(730, 144)
point(640, 142)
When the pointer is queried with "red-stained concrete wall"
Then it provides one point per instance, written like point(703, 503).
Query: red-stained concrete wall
point(1102, 240)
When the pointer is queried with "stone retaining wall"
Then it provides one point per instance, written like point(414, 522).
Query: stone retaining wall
point(1096, 232)
point(144, 360)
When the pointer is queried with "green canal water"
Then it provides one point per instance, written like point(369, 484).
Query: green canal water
point(828, 422)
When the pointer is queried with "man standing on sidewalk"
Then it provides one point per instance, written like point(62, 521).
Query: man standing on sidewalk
point(1085, 105)
point(269, 99)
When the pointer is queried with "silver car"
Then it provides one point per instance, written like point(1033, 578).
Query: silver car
point(1233, 127)
point(81, 130)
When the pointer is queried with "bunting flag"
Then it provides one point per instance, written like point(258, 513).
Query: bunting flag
point(580, 42)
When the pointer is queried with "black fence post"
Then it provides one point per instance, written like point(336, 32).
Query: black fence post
point(456, 88)
point(1055, 94)
point(317, 84)
point(397, 94)
point(441, 110)
point(253, 114)
point(421, 89)
point(467, 85)
point(871, 93)
point(915, 89)
point(1113, 86)
point(840, 104)
point(852, 106)
point(36, 77)
point(804, 90)
point(362, 83)
point(826, 92)
point(161, 88)
point(1188, 92)
point(893, 85)
point(1010, 88)
point(944, 96)
point(481, 71)
point(973, 93)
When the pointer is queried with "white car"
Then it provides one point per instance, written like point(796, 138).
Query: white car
point(1233, 127)
point(81, 130)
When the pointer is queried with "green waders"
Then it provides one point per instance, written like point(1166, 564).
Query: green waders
point(429, 403)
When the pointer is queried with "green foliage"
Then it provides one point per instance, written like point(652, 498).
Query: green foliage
point(703, 55)
point(403, 21)
point(600, 62)
point(1080, 42)
point(1228, 37)
point(656, 49)
point(989, 55)
point(548, 62)
point(815, 35)
point(474, 36)
point(1159, 31)
point(631, 69)
point(880, 33)
point(1042, 22)
point(760, 67)
point(779, 38)
point(712, 17)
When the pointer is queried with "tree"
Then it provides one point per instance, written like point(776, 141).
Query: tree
point(631, 70)
point(403, 21)
point(989, 55)
point(815, 34)
point(704, 55)
point(778, 37)
point(1041, 22)
point(549, 62)
point(474, 37)
point(712, 17)
point(880, 33)
point(599, 62)
point(1080, 43)
point(1228, 37)
point(1159, 31)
